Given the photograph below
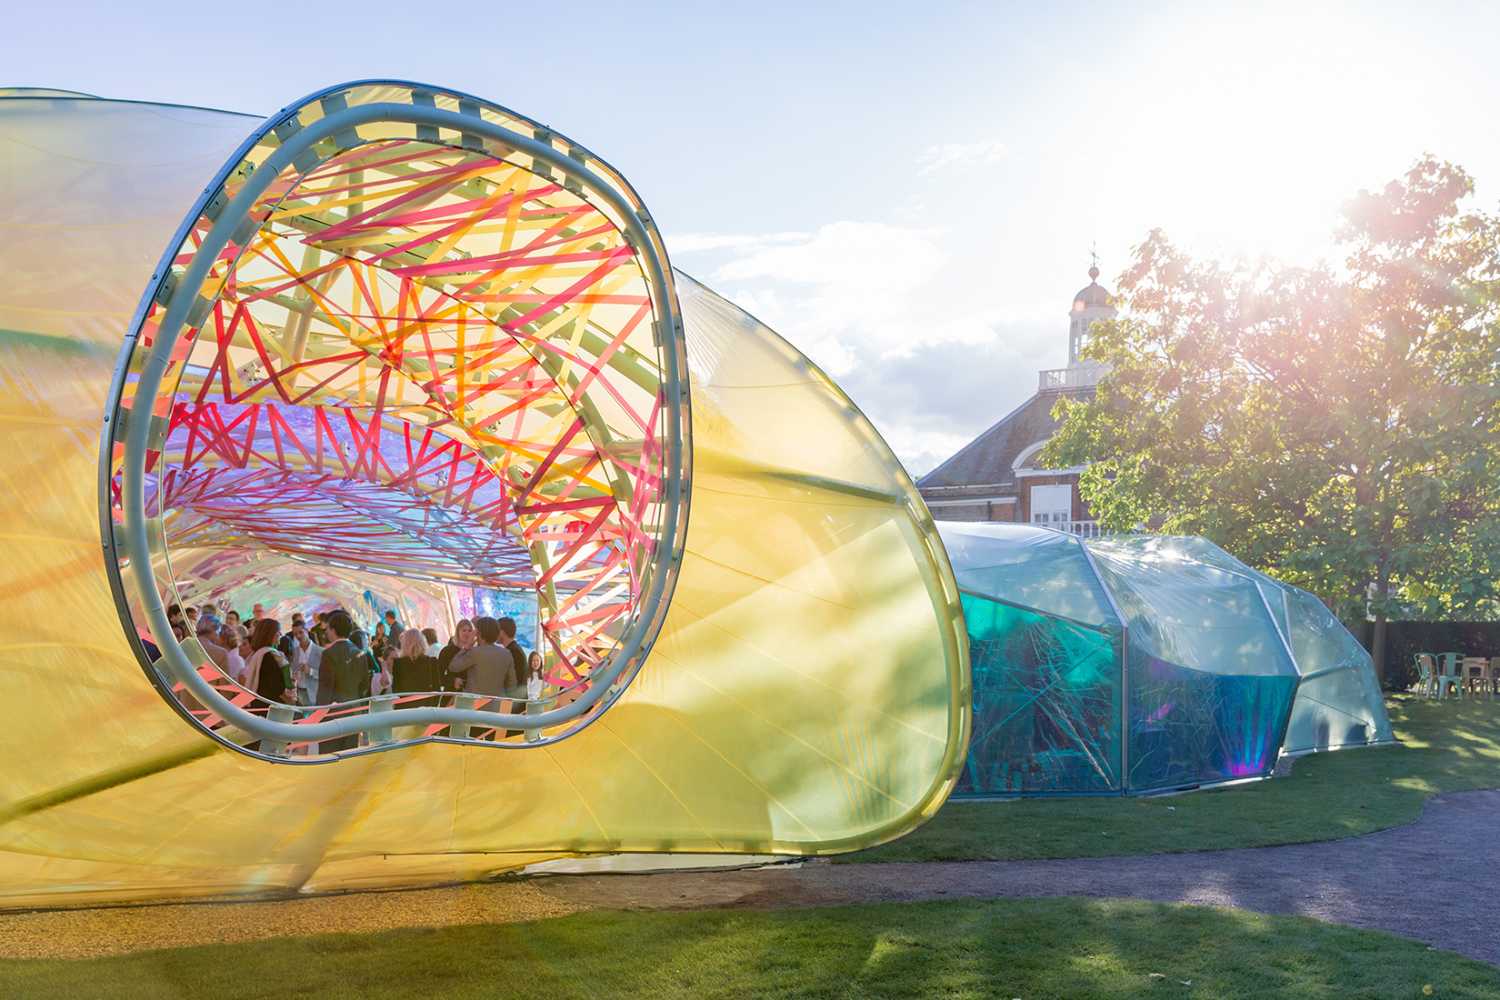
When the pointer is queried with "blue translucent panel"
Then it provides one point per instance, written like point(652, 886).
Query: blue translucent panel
point(1046, 703)
point(1210, 682)
point(1190, 727)
point(1272, 591)
point(1031, 567)
point(518, 605)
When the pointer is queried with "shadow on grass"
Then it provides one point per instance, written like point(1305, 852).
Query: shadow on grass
point(1031, 948)
point(1448, 746)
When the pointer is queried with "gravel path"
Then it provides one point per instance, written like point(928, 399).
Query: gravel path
point(1436, 880)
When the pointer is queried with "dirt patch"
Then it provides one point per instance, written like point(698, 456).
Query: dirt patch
point(118, 930)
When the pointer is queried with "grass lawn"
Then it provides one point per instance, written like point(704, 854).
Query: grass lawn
point(1003, 948)
point(1450, 746)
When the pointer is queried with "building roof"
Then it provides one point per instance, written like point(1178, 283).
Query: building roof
point(990, 458)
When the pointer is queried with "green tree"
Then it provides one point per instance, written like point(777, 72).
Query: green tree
point(1338, 427)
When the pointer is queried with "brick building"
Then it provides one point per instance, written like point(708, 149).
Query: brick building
point(995, 477)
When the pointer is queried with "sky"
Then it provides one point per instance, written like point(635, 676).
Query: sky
point(908, 193)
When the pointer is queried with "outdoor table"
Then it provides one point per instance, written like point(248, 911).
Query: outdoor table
point(1474, 672)
point(1482, 670)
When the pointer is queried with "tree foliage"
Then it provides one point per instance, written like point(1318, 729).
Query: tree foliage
point(1337, 426)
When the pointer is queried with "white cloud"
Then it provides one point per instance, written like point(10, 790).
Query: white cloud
point(921, 451)
point(847, 292)
point(919, 332)
point(865, 254)
point(696, 243)
point(960, 155)
point(936, 399)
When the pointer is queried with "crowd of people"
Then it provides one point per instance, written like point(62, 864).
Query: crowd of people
point(329, 658)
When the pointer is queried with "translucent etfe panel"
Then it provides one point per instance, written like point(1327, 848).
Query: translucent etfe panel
point(1209, 682)
point(1206, 552)
point(1338, 702)
point(1031, 567)
point(282, 586)
point(816, 597)
point(1188, 613)
point(807, 692)
point(1046, 703)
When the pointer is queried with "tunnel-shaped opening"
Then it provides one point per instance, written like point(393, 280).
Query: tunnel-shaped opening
point(430, 364)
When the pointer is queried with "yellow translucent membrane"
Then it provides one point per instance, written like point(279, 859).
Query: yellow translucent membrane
point(807, 693)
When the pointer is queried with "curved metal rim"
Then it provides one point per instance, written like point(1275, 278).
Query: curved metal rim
point(626, 659)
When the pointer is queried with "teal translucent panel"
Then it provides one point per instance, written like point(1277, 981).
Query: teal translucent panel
point(1274, 596)
point(1046, 703)
point(1182, 547)
point(1191, 727)
point(1339, 701)
point(1032, 567)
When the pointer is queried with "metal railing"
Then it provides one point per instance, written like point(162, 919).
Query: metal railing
point(391, 717)
point(1070, 378)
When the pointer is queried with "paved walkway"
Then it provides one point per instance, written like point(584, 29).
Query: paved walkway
point(1437, 880)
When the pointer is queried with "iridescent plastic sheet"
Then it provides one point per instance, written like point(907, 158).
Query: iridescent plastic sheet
point(1210, 679)
point(1212, 668)
point(806, 694)
point(1338, 703)
point(1046, 703)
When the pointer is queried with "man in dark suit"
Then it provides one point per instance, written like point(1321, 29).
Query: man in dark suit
point(343, 675)
point(522, 664)
point(285, 643)
point(517, 654)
